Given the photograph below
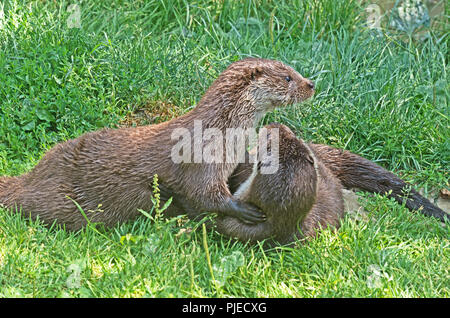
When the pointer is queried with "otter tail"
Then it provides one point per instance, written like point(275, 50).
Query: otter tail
point(8, 189)
point(356, 172)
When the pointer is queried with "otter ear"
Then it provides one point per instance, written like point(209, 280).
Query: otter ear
point(255, 72)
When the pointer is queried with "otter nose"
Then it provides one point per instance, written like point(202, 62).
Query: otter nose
point(310, 84)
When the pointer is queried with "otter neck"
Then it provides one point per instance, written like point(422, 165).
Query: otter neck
point(228, 110)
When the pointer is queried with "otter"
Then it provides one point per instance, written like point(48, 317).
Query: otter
point(305, 194)
point(109, 172)
point(302, 195)
point(337, 169)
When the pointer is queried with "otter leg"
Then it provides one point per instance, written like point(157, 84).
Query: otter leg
point(216, 197)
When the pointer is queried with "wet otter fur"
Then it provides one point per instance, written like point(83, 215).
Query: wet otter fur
point(357, 172)
point(114, 168)
point(305, 194)
point(109, 172)
point(302, 195)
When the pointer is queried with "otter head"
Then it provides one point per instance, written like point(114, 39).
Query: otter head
point(271, 83)
point(248, 88)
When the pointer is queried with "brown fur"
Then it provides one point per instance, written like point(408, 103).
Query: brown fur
point(302, 194)
point(299, 200)
point(357, 172)
point(336, 167)
point(114, 168)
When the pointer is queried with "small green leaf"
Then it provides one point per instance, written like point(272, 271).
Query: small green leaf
point(30, 126)
point(45, 115)
point(166, 205)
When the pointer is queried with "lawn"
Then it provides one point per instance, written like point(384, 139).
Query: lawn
point(382, 93)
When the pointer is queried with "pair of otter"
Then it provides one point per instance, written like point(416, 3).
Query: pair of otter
point(302, 192)
point(115, 167)
point(305, 194)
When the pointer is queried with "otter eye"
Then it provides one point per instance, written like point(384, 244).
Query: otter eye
point(288, 78)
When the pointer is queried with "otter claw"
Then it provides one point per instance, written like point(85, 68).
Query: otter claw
point(245, 212)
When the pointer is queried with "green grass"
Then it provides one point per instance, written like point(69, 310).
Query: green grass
point(382, 95)
point(397, 254)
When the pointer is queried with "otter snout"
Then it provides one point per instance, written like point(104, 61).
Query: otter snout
point(306, 88)
point(307, 83)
